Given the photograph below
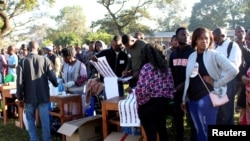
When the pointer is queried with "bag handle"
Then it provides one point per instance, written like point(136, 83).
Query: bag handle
point(204, 83)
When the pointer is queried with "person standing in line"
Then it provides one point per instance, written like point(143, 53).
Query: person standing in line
point(241, 88)
point(215, 70)
point(56, 62)
point(154, 91)
point(172, 46)
point(247, 37)
point(139, 35)
point(178, 63)
point(12, 61)
point(33, 74)
point(231, 51)
point(87, 54)
point(78, 54)
point(133, 48)
point(116, 58)
point(3, 64)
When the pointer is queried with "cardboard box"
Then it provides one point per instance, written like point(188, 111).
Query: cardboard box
point(84, 129)
point(116, 136)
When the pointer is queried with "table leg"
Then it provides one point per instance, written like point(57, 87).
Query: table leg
point(5, 108)
point(104, 121)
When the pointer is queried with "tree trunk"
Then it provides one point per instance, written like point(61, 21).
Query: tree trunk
point(6, 26)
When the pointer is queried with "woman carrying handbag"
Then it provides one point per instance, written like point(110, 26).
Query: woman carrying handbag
point(208, 66)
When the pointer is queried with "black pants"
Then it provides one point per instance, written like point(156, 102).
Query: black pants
point(178, 116)
point(153, 118)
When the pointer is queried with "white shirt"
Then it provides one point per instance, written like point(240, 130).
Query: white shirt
point(235, 54)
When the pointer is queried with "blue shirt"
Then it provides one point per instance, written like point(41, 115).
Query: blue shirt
point(11, 61)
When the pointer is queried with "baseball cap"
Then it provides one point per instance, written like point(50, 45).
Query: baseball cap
point(50, 48)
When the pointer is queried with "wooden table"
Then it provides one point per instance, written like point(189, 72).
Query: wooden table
point(112, 105)
point(7, 92)
point(68, 102)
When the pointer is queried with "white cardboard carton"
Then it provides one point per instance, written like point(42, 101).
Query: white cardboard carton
point(84, 129)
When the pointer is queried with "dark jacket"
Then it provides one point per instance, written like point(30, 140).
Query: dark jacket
point(117, 63)
point(178, 62)
point(33, 74)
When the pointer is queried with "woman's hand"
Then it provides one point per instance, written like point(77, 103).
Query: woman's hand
point(209, 80)
point(129, 90)
point(245, 79)
point(183, 106)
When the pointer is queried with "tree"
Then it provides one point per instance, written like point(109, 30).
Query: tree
point(13, 9)
point(246, 13)
point(69, 39)
point(171, 18)
point(223, 13)
point(94, 36)
point(120, 19)
point(72, 19)
point(236, 9)
point(209, 14)
point(71, 27)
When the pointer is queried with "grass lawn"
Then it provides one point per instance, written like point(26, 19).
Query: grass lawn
point(10, 132)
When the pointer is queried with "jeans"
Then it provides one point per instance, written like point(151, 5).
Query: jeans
point(226, 111)
point(45, 121)
point(203, 114)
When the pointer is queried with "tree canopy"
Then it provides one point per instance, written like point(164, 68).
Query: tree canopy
point(15, 8)
point(222, 13)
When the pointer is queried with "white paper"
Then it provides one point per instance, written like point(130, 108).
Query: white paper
point(128, 112)
point(111, 87)
point(110, 78)
point(103, 67)
point(125, 79)
point(13, 91)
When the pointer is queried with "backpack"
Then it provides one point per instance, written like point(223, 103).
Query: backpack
point(229, 48)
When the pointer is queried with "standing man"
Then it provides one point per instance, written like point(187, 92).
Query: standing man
point(116, 58)
point(133, 47)
point(33, 74)
point(87, 54)
point(56, 62)
point(139, 35)
point(12, 61)
point(3, 64)
point(244, 45)
point(172, 46)
point(178, 62)
point(78, 54)
point(232, 51)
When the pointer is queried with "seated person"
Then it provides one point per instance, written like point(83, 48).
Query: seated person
point(74, 72)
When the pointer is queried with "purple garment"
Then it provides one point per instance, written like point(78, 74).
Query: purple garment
point(2, 61)
point(153, 83)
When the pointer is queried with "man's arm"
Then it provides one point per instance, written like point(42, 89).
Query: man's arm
point(19, 81)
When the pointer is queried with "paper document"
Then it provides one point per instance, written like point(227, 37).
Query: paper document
point(103, 67)
point(125, 79)
point(128, 111)
point(111, 87)
point(110, 78)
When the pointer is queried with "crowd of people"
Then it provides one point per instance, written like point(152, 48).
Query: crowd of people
point(158, 77)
